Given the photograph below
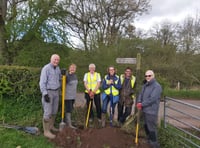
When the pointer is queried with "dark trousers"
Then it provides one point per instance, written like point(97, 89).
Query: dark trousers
point(122, 115)
point(97, 102)
point(150, 126)
point(69, 105)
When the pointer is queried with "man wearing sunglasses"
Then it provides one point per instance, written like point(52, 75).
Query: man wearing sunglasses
point(148, 101)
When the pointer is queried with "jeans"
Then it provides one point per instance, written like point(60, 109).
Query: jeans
point(105, 105)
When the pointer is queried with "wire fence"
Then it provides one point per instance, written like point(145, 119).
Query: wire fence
point(183, 120)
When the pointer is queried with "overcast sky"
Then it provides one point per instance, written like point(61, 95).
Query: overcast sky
point(171, 10)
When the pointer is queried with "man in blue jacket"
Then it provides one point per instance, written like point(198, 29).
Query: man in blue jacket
point(148, 101)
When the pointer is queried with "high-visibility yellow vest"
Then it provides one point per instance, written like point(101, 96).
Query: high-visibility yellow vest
point(122, 77)
point(115, 91)
point(92, 83)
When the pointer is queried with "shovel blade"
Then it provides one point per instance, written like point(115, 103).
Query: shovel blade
point(62, 126)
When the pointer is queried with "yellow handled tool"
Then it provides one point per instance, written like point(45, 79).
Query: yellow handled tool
point(137, 128)
point(62, 124)
point(63, 95)
point(88, 113)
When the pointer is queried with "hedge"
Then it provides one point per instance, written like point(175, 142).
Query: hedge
point(19, 82)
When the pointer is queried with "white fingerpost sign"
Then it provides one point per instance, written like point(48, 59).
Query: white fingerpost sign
point(126, 60)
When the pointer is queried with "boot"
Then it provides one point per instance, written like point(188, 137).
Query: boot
point(154, 145)
point(153, 140)
point(103, 119)
point(69, 121)
point(52, 121)
point(46, 127)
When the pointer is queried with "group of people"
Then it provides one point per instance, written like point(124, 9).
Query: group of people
point(117, 89)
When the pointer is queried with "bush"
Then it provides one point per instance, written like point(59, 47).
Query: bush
point(19, 82)
point(20, 97)
point(37, 54)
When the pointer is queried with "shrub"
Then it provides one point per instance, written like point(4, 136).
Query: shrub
point(19, 82)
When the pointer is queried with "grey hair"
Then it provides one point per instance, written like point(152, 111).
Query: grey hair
point(92, 65)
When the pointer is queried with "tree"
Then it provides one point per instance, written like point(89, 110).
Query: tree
point(97, 22)
point(189, 35)
point(164, 32)
point(28, 20)
point(3, 9)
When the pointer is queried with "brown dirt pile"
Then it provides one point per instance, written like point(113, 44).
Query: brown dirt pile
point(108, 137)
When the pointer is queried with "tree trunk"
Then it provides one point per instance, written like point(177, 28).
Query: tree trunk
point(3, 8)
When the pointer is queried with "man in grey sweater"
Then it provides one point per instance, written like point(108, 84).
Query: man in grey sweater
point(148, 101)
point(50, 79)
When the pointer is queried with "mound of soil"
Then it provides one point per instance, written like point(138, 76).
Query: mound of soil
point(108, 137)
point(94, 136)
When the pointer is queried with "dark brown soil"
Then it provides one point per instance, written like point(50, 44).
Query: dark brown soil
point(95, 136)
point(108, 137)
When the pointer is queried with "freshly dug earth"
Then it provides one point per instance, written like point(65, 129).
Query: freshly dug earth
point(94, 136)
point(108, 137)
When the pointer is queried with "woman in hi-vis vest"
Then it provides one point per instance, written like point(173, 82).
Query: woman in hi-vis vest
point(111, 86)
point(92, 81)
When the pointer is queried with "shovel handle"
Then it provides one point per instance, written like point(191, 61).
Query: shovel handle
point(137, 128)
point(88, 113)
point(63, 94)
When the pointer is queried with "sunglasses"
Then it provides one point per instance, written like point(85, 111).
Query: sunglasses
point(147, 75)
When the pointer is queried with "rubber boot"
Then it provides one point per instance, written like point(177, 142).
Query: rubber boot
point(103, 119)
point(153, 140)
point(46, 127)
point(69, 121)
point(52, 122)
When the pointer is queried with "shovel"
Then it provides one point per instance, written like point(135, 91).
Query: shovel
point(27, 129)
point(129, 120)
point(88, 113)
point(63, 124)
point(137, 127)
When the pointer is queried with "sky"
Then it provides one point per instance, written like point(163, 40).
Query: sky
point(170, 10)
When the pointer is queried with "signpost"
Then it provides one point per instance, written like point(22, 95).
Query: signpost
point(136, 61)
point(126, 60)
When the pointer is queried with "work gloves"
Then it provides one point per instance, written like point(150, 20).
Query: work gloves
point(139, 106)
point(46, 98)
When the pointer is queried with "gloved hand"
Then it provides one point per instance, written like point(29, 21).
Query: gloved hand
point(139, 106)
point(46, 98)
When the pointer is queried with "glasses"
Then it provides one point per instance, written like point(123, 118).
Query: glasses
point(147, 75)
point(111, 69)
